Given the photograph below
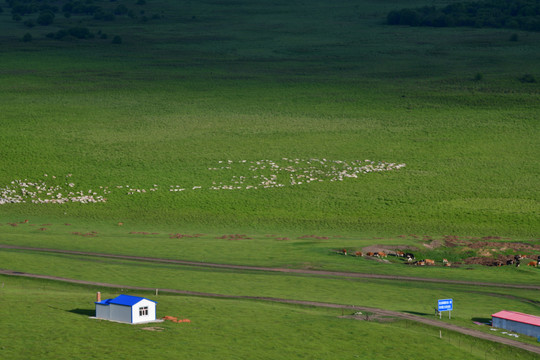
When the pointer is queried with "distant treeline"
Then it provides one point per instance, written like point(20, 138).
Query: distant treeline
point(32, 13)
point(103, 11)
point(513, 14)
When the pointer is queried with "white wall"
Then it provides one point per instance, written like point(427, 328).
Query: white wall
point(151, 311)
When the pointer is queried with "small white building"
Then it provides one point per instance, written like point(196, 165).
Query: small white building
point(126, 309)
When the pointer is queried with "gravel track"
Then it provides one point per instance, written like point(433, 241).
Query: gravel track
point(271, 269)
point(380, 312)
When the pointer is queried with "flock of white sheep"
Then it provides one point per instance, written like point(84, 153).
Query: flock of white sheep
point(261, 174)
point(293, 172)
point(23, 191)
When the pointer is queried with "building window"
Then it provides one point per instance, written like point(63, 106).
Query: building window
point(143, 311)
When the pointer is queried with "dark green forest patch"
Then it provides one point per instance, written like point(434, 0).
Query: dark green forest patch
point(519, 14)
point(67, 16)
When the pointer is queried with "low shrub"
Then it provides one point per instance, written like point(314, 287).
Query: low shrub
point(527, 78)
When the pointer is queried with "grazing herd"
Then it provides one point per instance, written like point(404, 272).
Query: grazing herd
point(56, 191)
point(517, 261)
point(259, 174)
point(291, 172)
point(411, 260)
point(382, 254)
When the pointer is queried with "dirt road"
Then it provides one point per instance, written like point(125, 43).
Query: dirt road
point(380, 312)
point(272, 269)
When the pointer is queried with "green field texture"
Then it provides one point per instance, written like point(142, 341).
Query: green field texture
point(295, 252)
point(266, 82)
point(219, 327)
point(222, 94)
point(413, 296)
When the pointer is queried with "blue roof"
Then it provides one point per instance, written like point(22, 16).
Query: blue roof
point(104, 302)
point(127, 300)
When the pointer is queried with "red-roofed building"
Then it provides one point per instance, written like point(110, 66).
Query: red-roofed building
point(518, 322)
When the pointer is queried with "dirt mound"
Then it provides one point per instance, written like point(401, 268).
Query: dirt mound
point(388, 249)
point(434, 244)
point(478, 260)
point(491, 261)
point(487, 242)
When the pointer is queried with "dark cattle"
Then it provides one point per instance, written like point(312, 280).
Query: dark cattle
point(409, 256)
point(509, 262)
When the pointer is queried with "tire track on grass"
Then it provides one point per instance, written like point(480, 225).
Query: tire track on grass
point(271, 269)
point(380, 312)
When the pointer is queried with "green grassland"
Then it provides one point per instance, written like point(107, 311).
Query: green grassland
point(223, 94)
point(291, 286)
point(328, 81)
point(320, 252)
point(219, 327)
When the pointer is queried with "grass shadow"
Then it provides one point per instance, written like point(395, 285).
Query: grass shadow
point(85, 312)
point(482, 320)
point(417, 313)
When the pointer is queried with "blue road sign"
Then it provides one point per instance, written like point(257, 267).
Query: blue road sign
point(445, 305)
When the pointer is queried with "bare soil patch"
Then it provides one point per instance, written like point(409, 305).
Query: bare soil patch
point(488, 243)
point(376, 317)
point(153, 328)
point(434, 244)
point(486, 251)
point(388, 249)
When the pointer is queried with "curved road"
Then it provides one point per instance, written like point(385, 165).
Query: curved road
point(271, 269)
point(432, 322)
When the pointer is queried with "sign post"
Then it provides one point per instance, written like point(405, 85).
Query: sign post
point(445, 305)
